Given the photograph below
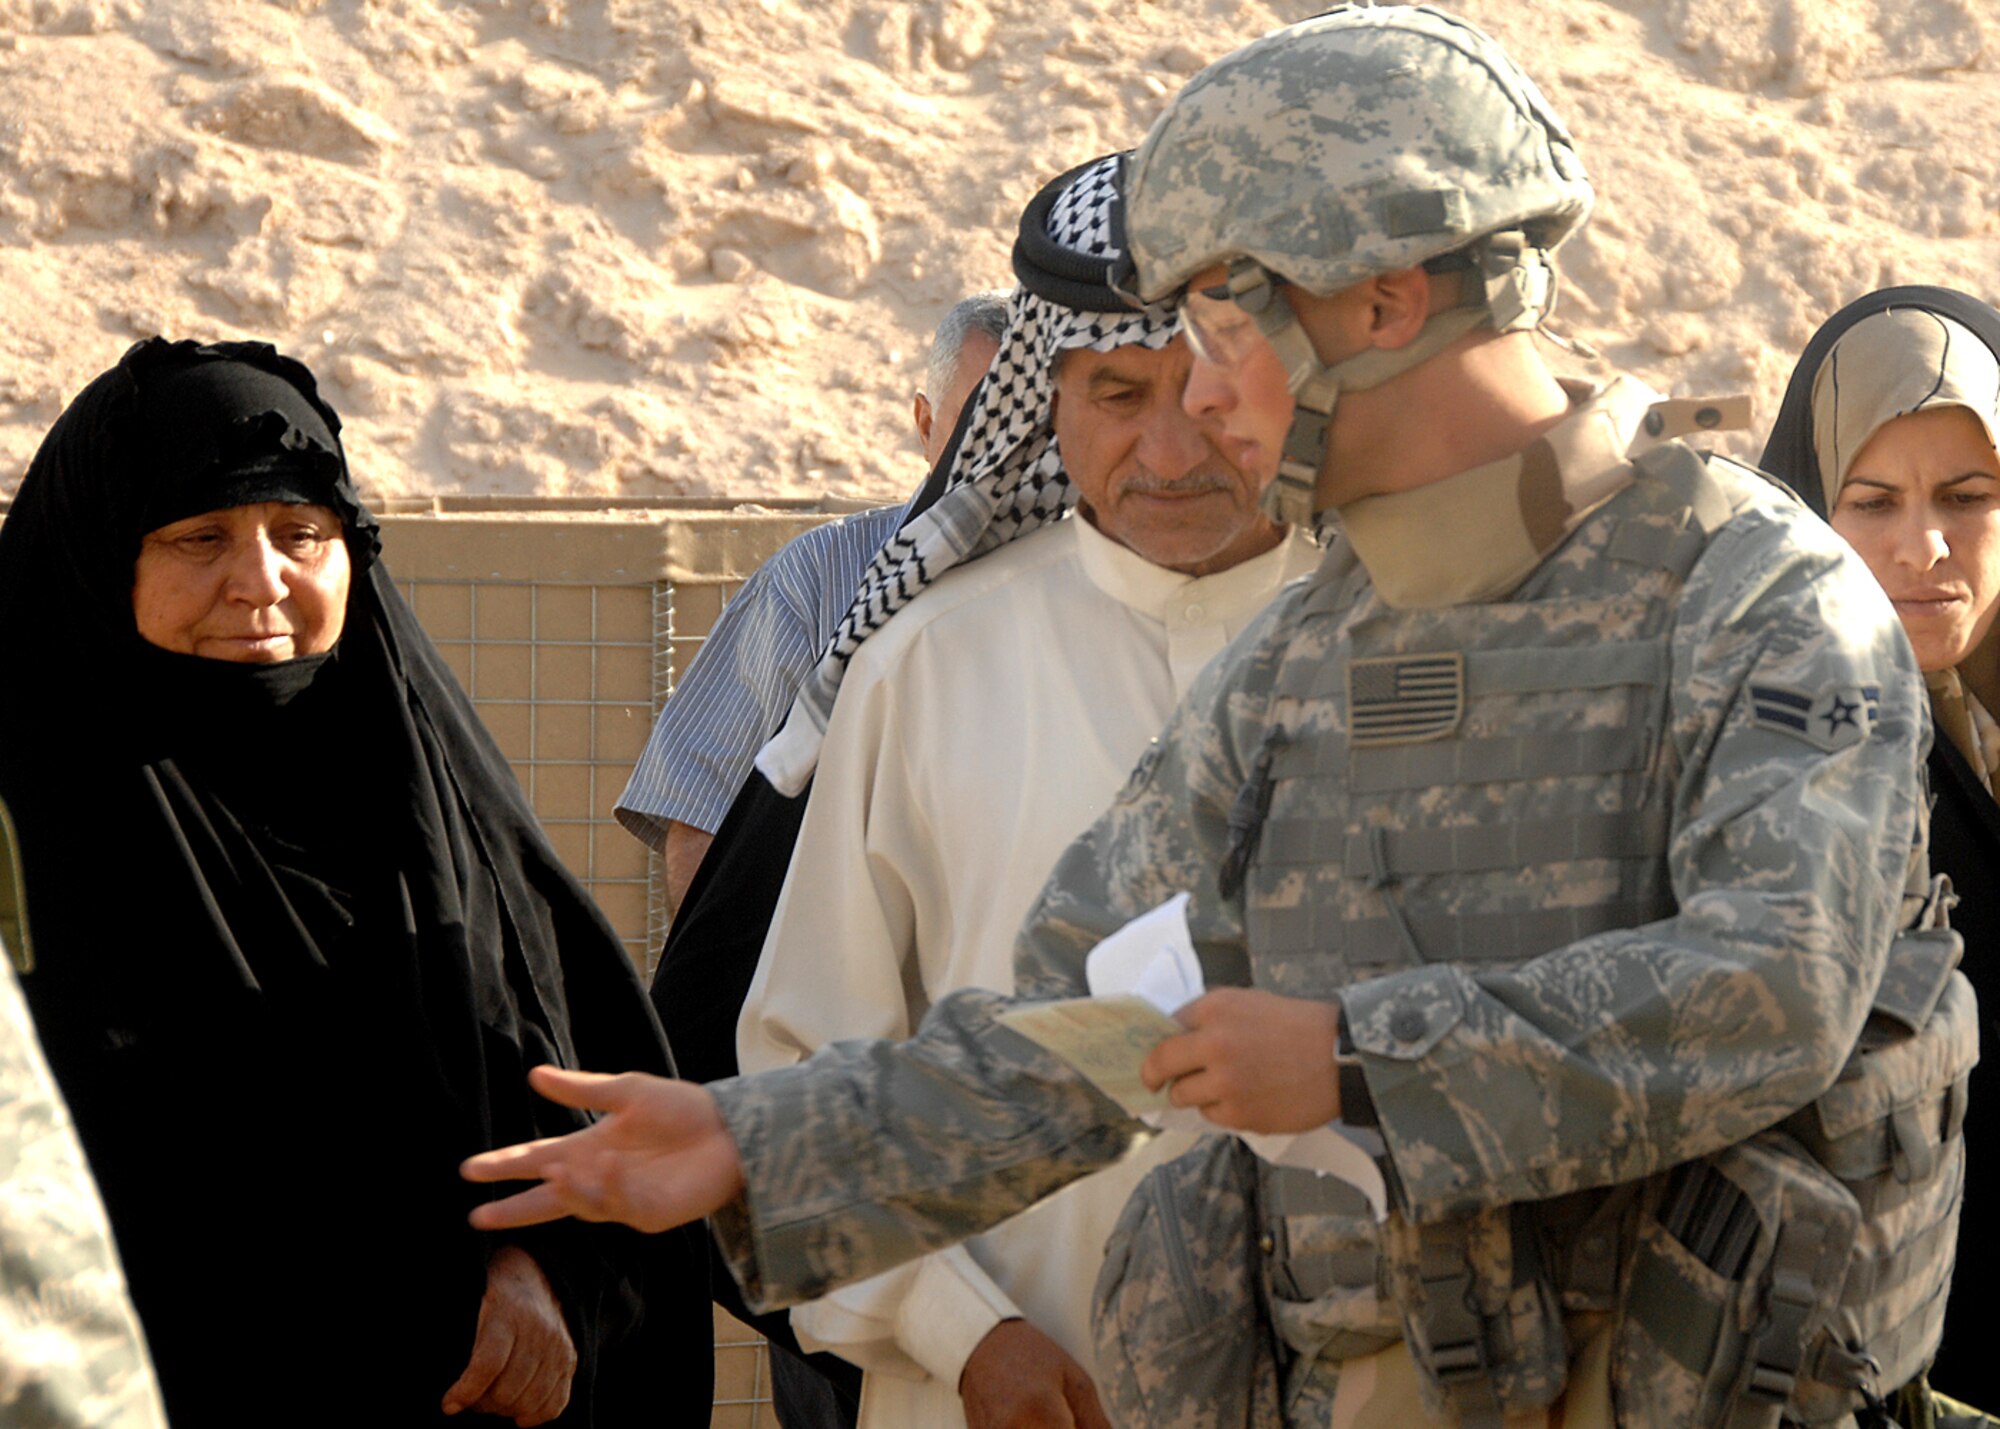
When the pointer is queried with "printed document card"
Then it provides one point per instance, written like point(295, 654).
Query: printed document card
point(1105, 1038)
point(1139, 977)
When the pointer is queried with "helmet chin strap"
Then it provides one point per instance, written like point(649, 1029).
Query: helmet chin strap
point(1514, 292)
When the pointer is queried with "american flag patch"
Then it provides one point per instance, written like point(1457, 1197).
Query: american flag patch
point(1404, 699)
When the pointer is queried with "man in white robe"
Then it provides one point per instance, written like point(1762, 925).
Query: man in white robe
point(975, 735)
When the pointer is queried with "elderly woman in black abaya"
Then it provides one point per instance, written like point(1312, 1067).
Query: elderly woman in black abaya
point(285, 894)
point(1888, 430)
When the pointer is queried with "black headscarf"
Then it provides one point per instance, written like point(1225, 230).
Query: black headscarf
point(279, 909)
point(1965, 843)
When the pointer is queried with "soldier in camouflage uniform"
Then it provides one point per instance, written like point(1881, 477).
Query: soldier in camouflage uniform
point(1563, 833)
point(71, 1354)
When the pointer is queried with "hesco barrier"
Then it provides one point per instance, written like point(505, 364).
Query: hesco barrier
point(569, 622)
point(568, 627)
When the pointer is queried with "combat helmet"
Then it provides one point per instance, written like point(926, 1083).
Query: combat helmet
point(1358, 142)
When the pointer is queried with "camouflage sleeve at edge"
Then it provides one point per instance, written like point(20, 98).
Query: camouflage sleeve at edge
point(70, 1349)
point(1613, 1057)
point(872, 1153)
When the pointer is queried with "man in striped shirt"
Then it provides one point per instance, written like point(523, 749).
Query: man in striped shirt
point(737, 690)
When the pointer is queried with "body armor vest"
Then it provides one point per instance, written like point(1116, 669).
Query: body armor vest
point(1479, 784)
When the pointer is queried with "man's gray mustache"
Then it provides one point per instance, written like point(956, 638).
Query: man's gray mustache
point(1192, 484)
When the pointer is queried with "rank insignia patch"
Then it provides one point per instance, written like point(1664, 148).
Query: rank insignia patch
point(1829, 719)
point(1404, 699)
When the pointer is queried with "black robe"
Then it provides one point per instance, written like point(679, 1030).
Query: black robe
point(1964, 843)
point(299, 938)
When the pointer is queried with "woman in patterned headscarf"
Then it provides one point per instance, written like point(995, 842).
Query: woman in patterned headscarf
point(1888, 430)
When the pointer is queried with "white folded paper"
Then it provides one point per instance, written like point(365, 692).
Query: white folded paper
point(1139, 977)
point(1151, 957)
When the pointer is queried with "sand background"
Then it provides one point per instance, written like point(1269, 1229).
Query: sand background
point(647, 248)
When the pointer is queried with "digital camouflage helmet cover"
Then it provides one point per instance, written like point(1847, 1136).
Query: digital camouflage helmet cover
point(1359, 142)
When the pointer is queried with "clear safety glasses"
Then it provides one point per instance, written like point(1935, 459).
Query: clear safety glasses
point(1222, 332)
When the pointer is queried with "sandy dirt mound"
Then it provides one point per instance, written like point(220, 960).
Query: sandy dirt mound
point(671, 247)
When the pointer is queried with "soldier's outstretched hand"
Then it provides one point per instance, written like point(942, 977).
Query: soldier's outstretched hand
point(660, 1157)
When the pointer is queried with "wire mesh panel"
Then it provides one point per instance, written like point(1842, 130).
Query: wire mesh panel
point(742, 1377)
point(682, 617)
point(570, 635)
point(563, 677)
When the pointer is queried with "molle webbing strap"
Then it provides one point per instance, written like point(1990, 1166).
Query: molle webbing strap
point(1900, 1350)
point(1493, 937)
point(1472, 938)
point(1508, 757)
point(1481, 848)
point(1792, 1310)
point(1454, 1344)
point(1905, 1142)
point(13, 898)
point(1913, 1341)
point(1867, 1278)
point(1304, 1198)
point(1954, 1106)
point(1469, 848)
point(1541, 669)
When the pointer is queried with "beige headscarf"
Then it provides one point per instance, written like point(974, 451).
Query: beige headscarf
point(1888, 365)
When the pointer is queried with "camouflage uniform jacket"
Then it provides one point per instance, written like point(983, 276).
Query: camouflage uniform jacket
point(1744, 739)
point(70, 1350)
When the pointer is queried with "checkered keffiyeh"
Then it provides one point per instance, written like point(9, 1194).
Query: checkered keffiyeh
point(1007, 477)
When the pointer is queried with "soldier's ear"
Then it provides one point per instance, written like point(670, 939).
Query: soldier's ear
point(1399, 303)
